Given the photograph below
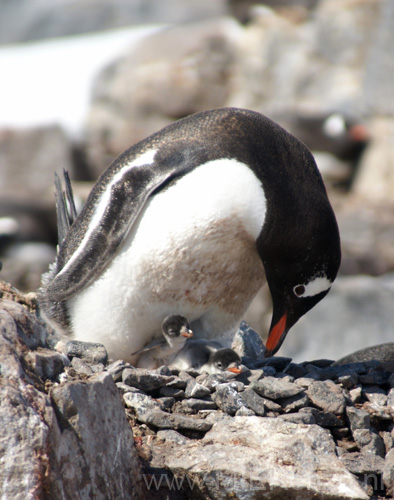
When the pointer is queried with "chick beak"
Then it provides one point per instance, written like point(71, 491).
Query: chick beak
point(185, 332)
point(234, 369)
point(276, 336)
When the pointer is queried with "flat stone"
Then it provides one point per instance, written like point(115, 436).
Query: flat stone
point(253, 401)
point(388, 473)
point(252, 457)
point(228, 399)
point(327, 396)
point(81, 367)
point(275, 388)
point(388, 440)
point(199, 404)
point(247, 342)
point(169, 435)
point(362, 463)
point(355, 394)
point(177, 383)
point(196, 390)
point(384, 413)
point(46, 363)
point(244, 412)
point(375, 394)
point(166, 403)
point(145, 380)
point(390, 398)
point(324, 419)
point(123, 388)
point(116, 368)
point(304, 381)
point(340, 432)
point(294, 403)
point(378, 378)
point(358, 419)
point(172, 392)
point(299, 418)
point(90, 352)
point(140, 402)
point(348, 380)
point(369, 442)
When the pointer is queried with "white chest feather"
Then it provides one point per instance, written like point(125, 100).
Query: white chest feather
point(191, 252)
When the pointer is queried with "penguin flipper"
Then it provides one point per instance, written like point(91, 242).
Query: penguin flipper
point(105, 220)
point(66, 212)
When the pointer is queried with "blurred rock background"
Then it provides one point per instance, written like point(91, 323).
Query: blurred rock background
point(82, 81)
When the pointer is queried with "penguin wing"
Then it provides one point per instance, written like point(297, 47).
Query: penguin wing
point(150, 347)
point(108, 215)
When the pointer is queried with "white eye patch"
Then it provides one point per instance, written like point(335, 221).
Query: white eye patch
point(314, 287)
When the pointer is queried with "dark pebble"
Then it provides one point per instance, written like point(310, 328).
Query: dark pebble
point(145, 380)
point(227, 398)
point(274, 388)
point(90, 352)
point(253, 401)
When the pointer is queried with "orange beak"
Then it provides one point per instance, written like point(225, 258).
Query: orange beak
point(234, 369)
point(275, 335)
point(187, 334)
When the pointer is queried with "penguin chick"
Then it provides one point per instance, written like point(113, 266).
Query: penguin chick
point(221, 361)
point(176, 331)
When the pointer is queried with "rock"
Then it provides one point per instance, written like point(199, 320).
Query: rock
point(327, 396)
point(299, 418)
point(274, 388)
point(323, 418)
point(369, 442)
point(227, 398)
point(253, 401)
point(358, 419)
point(103, 467)
point(247, 457)
point(49, 445)
point(194, 389)
point(294, 403)
point(388, 472)
point(381, 352)
point(199, 404)
point(145, 379)
point(362, 463)
point(90, 352)
point(247, 342)
point(46, 363)
point(375, 394)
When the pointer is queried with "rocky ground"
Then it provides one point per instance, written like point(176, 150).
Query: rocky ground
point(74, 426)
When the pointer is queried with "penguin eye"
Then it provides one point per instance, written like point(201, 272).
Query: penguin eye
point(299, 290)
point(219, 364)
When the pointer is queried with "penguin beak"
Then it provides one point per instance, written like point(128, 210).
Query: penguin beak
point(234, 369)
point(276, 336)
point(186, 333)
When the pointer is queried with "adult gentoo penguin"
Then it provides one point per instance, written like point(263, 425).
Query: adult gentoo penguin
point(193, 219)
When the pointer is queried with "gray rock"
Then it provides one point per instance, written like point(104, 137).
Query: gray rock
point(375, 394)
point(145, 380)
point(123, 388)
point(253, 401)
point(251, 457)
point(247, 342)
point(90, 352)
point(294, 403)
point(96, 448)
point(171, 392)
point(299, 418)
point(228, 399)
point(358, 419)
point(388, 472)
point(327, 396)
point(116, 368)
point(81, 367)
point(199, 404)
point(355, 394)
point(244, 411)
point(390, 399)
point(46, 363)
point(388, 440)
point(349, 380)
point(324, 419)
point(169, 435)
point(196, 390)
point(381, 352)
point(362, 463)
point(274, 388)
point(378, 412)
point(369, 442)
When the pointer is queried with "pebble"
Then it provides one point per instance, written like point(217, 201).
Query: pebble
point(275, 388)
point(196, 390)
point(388, 473)
point(375, 394)
point(327, 396)
point(390, 399)
point(145, 379)
point(172, 392)
point(348, 380)
point(294, 403)
point(253, 401)
point(369, 442)
point(199, 404)
point(228, 399)
point(362, 463)
point(355, 394)
point(46, 363)
point(81, 367)
point(299, 418)
point(323, 418)
point(169, 435)
point(244, 412)
point(88, 351)
point(116, 369)
point(358, 419)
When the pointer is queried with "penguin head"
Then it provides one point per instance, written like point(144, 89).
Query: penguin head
point(176, 328)
point(300, 271)
point(225, 360)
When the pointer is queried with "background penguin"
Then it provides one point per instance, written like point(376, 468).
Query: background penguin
point(175, 330)
point(193, 219)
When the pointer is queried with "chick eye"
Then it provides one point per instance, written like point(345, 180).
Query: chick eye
point(219, 364)
point(299, 290)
